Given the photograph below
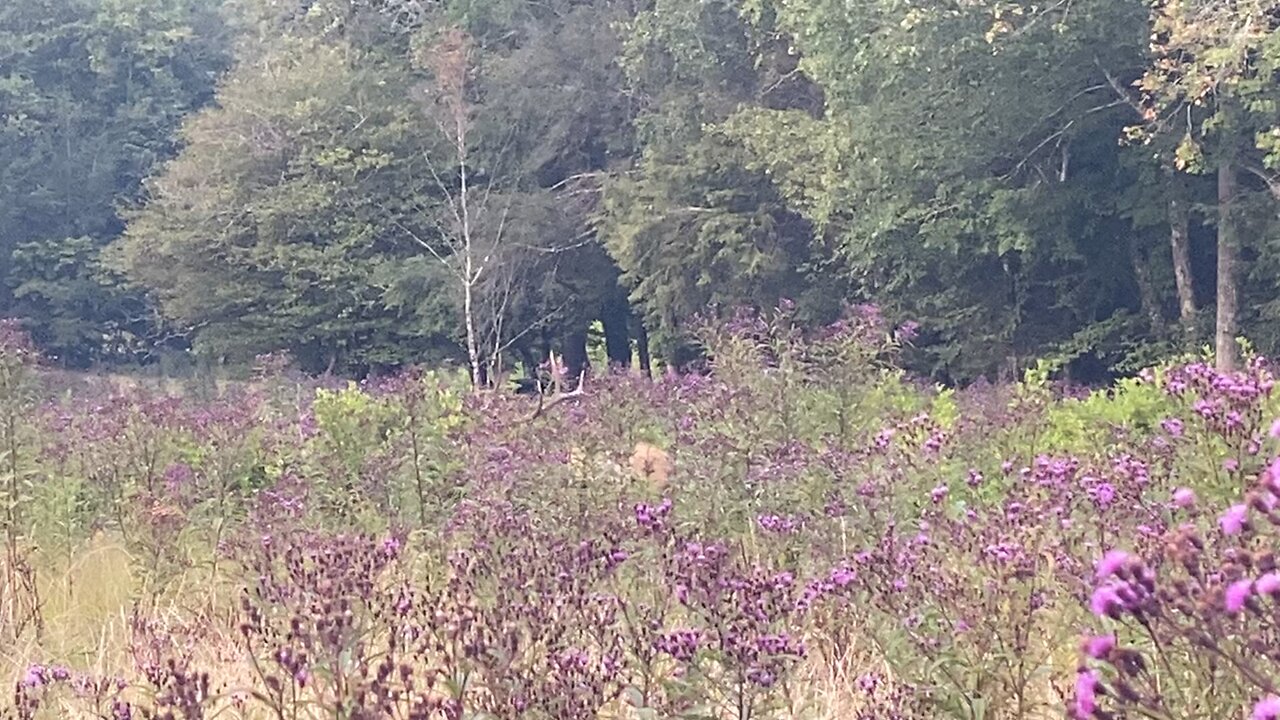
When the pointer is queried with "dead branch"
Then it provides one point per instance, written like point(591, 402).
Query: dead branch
point(1272, 180)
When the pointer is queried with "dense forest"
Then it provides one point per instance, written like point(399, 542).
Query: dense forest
point(369, 183)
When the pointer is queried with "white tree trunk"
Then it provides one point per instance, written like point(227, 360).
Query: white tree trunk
point(469, 271)
point(473, 348)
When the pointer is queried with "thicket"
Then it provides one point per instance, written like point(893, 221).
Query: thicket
point(803, 531)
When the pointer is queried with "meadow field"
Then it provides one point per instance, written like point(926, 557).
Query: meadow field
point(801, 531)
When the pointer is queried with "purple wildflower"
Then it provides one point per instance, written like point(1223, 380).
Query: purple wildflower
point(1268, 584)
point(842, 576)
point(1105, 602)
point(1104, 494)
point(1086, 702)
point(34, 677)
point(1099, 647)
point(1111, 563)
point(782, 525)
point(1237, 595)
point(1184, 497)
point(1268, 708)
point(391, 546)
point(1234, 519)
point(938, 494)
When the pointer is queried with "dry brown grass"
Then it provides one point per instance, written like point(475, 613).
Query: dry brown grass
point(826, 684)
point(83, 605)
point(88, 606)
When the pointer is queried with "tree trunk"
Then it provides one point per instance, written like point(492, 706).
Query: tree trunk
point(544, 346)
point(1228, 257)
point(470, 274)
point(469, 320)
point(1180, 246)
point(615, 315)
point(576, 361)
point(1147, 295)
point(642, 348)
point(527, 361)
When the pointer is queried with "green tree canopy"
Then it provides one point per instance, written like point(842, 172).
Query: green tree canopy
point(90, 94)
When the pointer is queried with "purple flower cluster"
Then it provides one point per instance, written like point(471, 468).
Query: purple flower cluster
point(653, 517)
point(40, 683)
point(1201, 591)
point(747, 615)
point(681, 643)
point(1228, 404)
point(780, 524)
point(1125, 586)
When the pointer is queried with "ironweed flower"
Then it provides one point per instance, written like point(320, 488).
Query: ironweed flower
point(1085, 702)
point(1208, 598)
point(1184, 498)
point(1106, 602)
point(1268, 708)
point(1268, 584)
point(780, 524)
point(1236, 595)
point(1099, 647)
point(681, 644)
point(1234, 520)
point(1112, 563)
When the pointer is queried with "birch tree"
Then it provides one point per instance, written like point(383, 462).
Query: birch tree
point(461, 249)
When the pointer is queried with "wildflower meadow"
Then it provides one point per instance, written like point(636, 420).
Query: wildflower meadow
point(798, 530)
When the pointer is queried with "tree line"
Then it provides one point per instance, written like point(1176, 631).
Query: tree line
point(367, 183)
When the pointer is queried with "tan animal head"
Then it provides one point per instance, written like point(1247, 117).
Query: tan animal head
point(651, 464)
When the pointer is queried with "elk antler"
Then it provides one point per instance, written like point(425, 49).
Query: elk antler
point(557, 371)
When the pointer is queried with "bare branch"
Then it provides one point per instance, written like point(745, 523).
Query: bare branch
point(583, 239)
point(429, 248)
point(1062, 108)
point(497, 239)
point(778, 83)
point(1271, 179)
point(594, 175)
point(502, 153)
point(448, 195)
point(1057, 136)
point(1121, 92)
